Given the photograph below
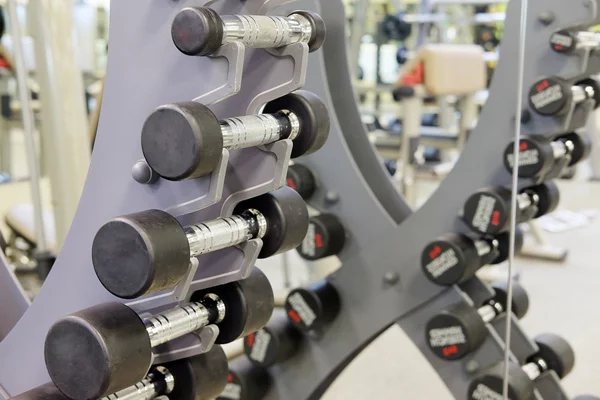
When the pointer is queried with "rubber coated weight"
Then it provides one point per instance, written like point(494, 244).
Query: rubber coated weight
point(318, 29)
point(594, 84)
point(313, 116)
point(287, 219)
point(520, 299)
point(182, 141)
point(197, 31)
point(249, 305)
point(504, 243)
point(246, 381)
point(536, 157)
point(275, 343)
point(302, 180)
point(200, 377)
point(550, 96)
point(450, 259)
point(140, 253)
point(549, 196)
point(486, 211)
point(489, 384)
point(582, 146)
point(310, 309)
point(325, 237)
point(556, 352)
point(395, 28)
point(563, 42)
point(45, 392)
point(97, 351)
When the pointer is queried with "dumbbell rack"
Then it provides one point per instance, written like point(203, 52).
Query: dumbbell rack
point(145, 71)
point(376, 290)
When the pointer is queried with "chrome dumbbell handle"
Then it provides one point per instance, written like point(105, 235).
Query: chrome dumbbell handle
point(536, 368)
point(256, 130)
point(180, 321)
point(261, 31)
point(225, 232)
point(158, 382)
point(489, 311)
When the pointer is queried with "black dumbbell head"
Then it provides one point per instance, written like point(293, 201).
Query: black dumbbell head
point(248, 303)
point(182, 141)
point(582, 144)
point(504, 243)
point(45, 392)
point(549, 196)
point(455, 332)
point(325, 237)
point(200, 377)
point(563, 41)
point(275, 343)
point(550, 96)
point(246, 381)
point(487, 211)
point(489, 384)
point(310, 309)
point(535, 157)
point(97, 351)
point(556, 352)
point(197, 31)
point(287, 219)
point(140, 253)
point(318, 29)
point(450, 259)
point(313, 116)
point(596, 86)
point(302, 180)
point(520, 300)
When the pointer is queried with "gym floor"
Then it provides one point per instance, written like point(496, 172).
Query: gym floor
point(392, 367)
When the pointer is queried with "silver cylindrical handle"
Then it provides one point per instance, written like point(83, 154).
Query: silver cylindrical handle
point(176, 322)
point(535, 369)
point(159, 381)
point(259, 129)
point(526, 200)
point(587, 40)
point(483, 247)
point(261, 31)
point(221, 233)
point(560, 148)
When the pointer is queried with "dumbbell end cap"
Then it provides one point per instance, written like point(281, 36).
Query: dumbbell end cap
point(319, 30)
point(131, 259)
point(182, 141)
point(197, 31)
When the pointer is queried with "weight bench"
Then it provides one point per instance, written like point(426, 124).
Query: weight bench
point(437, 70)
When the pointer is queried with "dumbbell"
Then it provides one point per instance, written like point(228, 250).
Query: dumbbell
point(325, 237)
point(461, 329)
point(538, 157)
point(149, 251)
point(454, 258)
point(311, 309)
point(201, 31)
point(108, 347)
point(246, 381)
point(568, 42)
point(487, 211)
point(200, 377)
point(554, 354)
point(273, 344)
point(302, 180)
point(185, 140)
point(554, 96)
point(394, 27)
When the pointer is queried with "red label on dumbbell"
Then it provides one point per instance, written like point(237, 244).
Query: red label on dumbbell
point(257, 345)
point(233, 389)
point(562, 42)
point(548, 97)
point(313, 243)
point(438, 260)
point(530, 158)
point(291, 183)
point(300, 307)
point(447, 338)
point(486, 216)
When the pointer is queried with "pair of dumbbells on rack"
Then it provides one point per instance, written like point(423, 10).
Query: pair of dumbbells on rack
point(554, 96)
point(106, 349)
